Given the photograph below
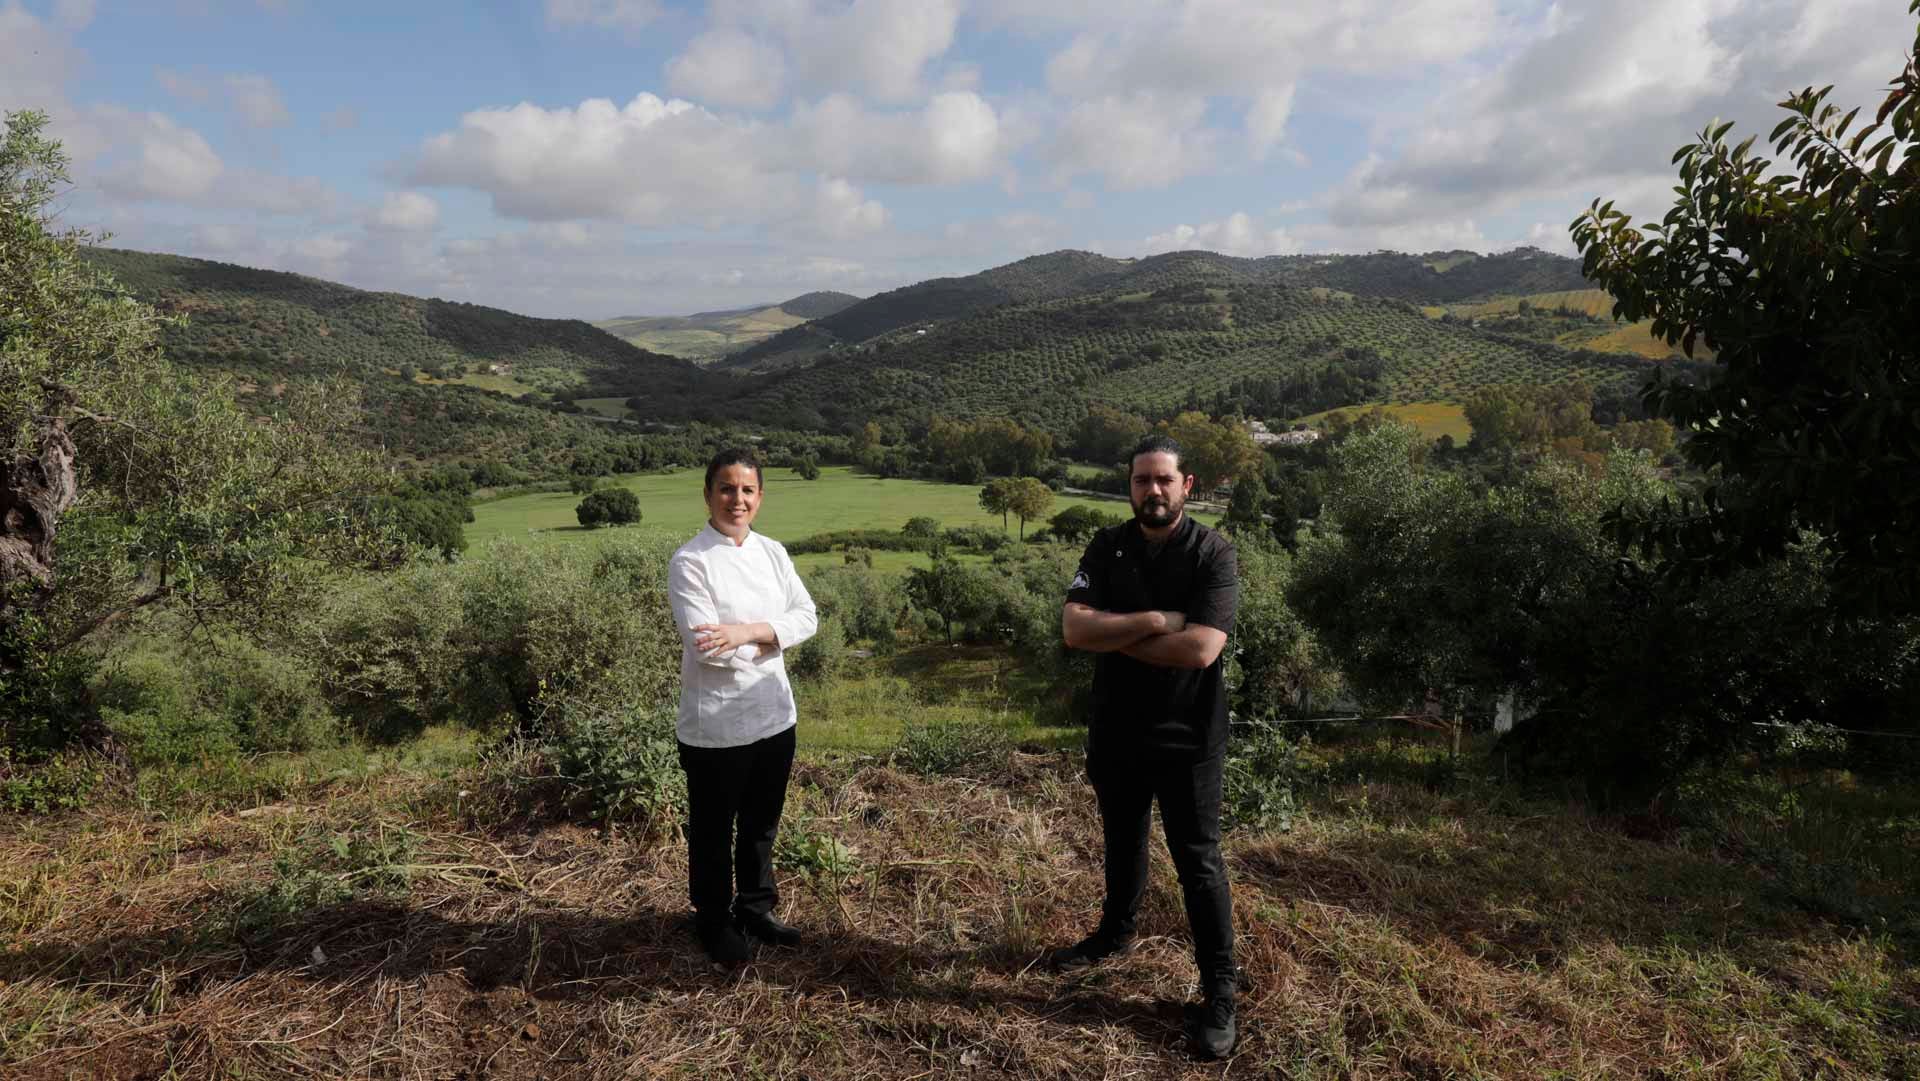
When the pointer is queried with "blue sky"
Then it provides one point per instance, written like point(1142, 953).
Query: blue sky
point(602, 157)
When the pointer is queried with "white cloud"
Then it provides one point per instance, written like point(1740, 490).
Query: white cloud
point(1236, 234)
point(729, 67)
point(406, 211)
point(956, 139)
point(1598, 95)
point(152, 157)
point(257, 101)
point(624, 14)
point(879, 48)
point(671, 163)
point(1266, 120)
point(1142, 140)
point(841, 211)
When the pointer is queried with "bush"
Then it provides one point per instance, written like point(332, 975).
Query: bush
point(978, 537)
point(922, 527)
point(879, 540)
point(601, 765)
point(62, 782)
point(502, 638)
point(608, 506)
point(1263, 770)
point(583, 485)
point(228, 697)
point(822, 655)
point(944, 748)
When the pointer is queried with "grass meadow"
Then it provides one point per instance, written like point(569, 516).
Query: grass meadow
point(670, 503)
point(1431, 419)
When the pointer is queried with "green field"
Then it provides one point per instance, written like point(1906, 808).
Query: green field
point(794, 508)
point(1431, 419)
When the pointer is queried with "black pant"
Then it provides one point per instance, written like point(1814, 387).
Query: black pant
point(1127, 781)
point(748, 782)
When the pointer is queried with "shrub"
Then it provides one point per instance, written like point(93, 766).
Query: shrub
point(608, 506)
point(978, 537)
point(946, 747)
point(225, 697)
point(583, 485)
point(820, 656)
point(505, 637)
point(922, 527)
point(621, 765)
point(1263, 770)
point(62, 782)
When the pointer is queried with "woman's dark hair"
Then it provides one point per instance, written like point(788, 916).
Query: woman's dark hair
point(1159, 444)
point(733, 456)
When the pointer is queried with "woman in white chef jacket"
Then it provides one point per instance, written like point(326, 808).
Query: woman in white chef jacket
point(739, 605)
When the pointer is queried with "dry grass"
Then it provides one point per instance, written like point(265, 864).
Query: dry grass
point(381, 928)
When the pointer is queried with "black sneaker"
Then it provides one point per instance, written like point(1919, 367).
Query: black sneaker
point(1089, 951)
point(765, 928)
point(1214, 1027)
point(722, 943)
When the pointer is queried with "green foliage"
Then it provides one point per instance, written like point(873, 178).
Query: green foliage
point(974, 748)
point(604, 765)
point(813, 854)
point(1799, 277)
point(503, 637)
point(211, 699)
point(868, 605)
point(1274, 665)
point(1028, 498)
point(322, 869)
point(1262, 777)
point(1214, 451)
point(1105, 434)
point(807, 468)
point(955, 593)
point(821, 656)
point(43, 690)
point(609, 506)
point(582, 485)
point(45, 784)
point(1077, 525)
point(922, 527)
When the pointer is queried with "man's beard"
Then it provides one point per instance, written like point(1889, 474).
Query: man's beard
point(1158, 513)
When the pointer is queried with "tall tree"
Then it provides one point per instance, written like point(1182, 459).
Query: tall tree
point(1030, 499)
point(1799, 276)
point(1216, 450)
point(128, 485)
point(997, 498)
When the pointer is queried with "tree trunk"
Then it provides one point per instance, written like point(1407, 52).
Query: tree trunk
point(38, 489)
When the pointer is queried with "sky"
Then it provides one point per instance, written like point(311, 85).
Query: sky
point(594, 158)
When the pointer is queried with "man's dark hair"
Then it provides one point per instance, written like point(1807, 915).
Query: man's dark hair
point(733, 456)
point(1159, 444)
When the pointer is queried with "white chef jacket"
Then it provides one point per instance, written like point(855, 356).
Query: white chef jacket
point(742, 695)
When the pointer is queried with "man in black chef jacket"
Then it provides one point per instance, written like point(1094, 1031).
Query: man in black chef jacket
point(1154, 597)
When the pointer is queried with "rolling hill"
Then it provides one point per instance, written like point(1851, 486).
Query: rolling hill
point(1435, 278)
point(440, 380)
point(1276, 348)
point(706, 337)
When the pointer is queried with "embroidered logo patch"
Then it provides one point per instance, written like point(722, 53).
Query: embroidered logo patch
point(1079, 581)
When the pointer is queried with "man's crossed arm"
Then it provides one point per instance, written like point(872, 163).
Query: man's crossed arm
point(1160, 638)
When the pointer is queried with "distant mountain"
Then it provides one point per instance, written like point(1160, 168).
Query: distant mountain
point(440, 379)
point(705, 337)
point(1432, 279)
point(1213, 333)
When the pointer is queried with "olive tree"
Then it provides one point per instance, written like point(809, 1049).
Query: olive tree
point(129, 485)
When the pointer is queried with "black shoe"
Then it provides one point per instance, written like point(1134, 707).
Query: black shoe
point(1214, 1028)
point(722, 943)
point(1089, 951)
point(764, 927)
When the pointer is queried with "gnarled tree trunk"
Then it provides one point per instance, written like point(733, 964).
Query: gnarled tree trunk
point(39, 488)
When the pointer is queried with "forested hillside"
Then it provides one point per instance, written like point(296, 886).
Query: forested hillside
point(1437, 278)
point(1273, 349)
point(439, 380)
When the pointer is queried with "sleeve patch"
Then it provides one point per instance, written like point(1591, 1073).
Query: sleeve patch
point(1079, 581)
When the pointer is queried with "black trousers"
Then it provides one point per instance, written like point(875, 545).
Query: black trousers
point(725, 784)
point(1127, 782)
